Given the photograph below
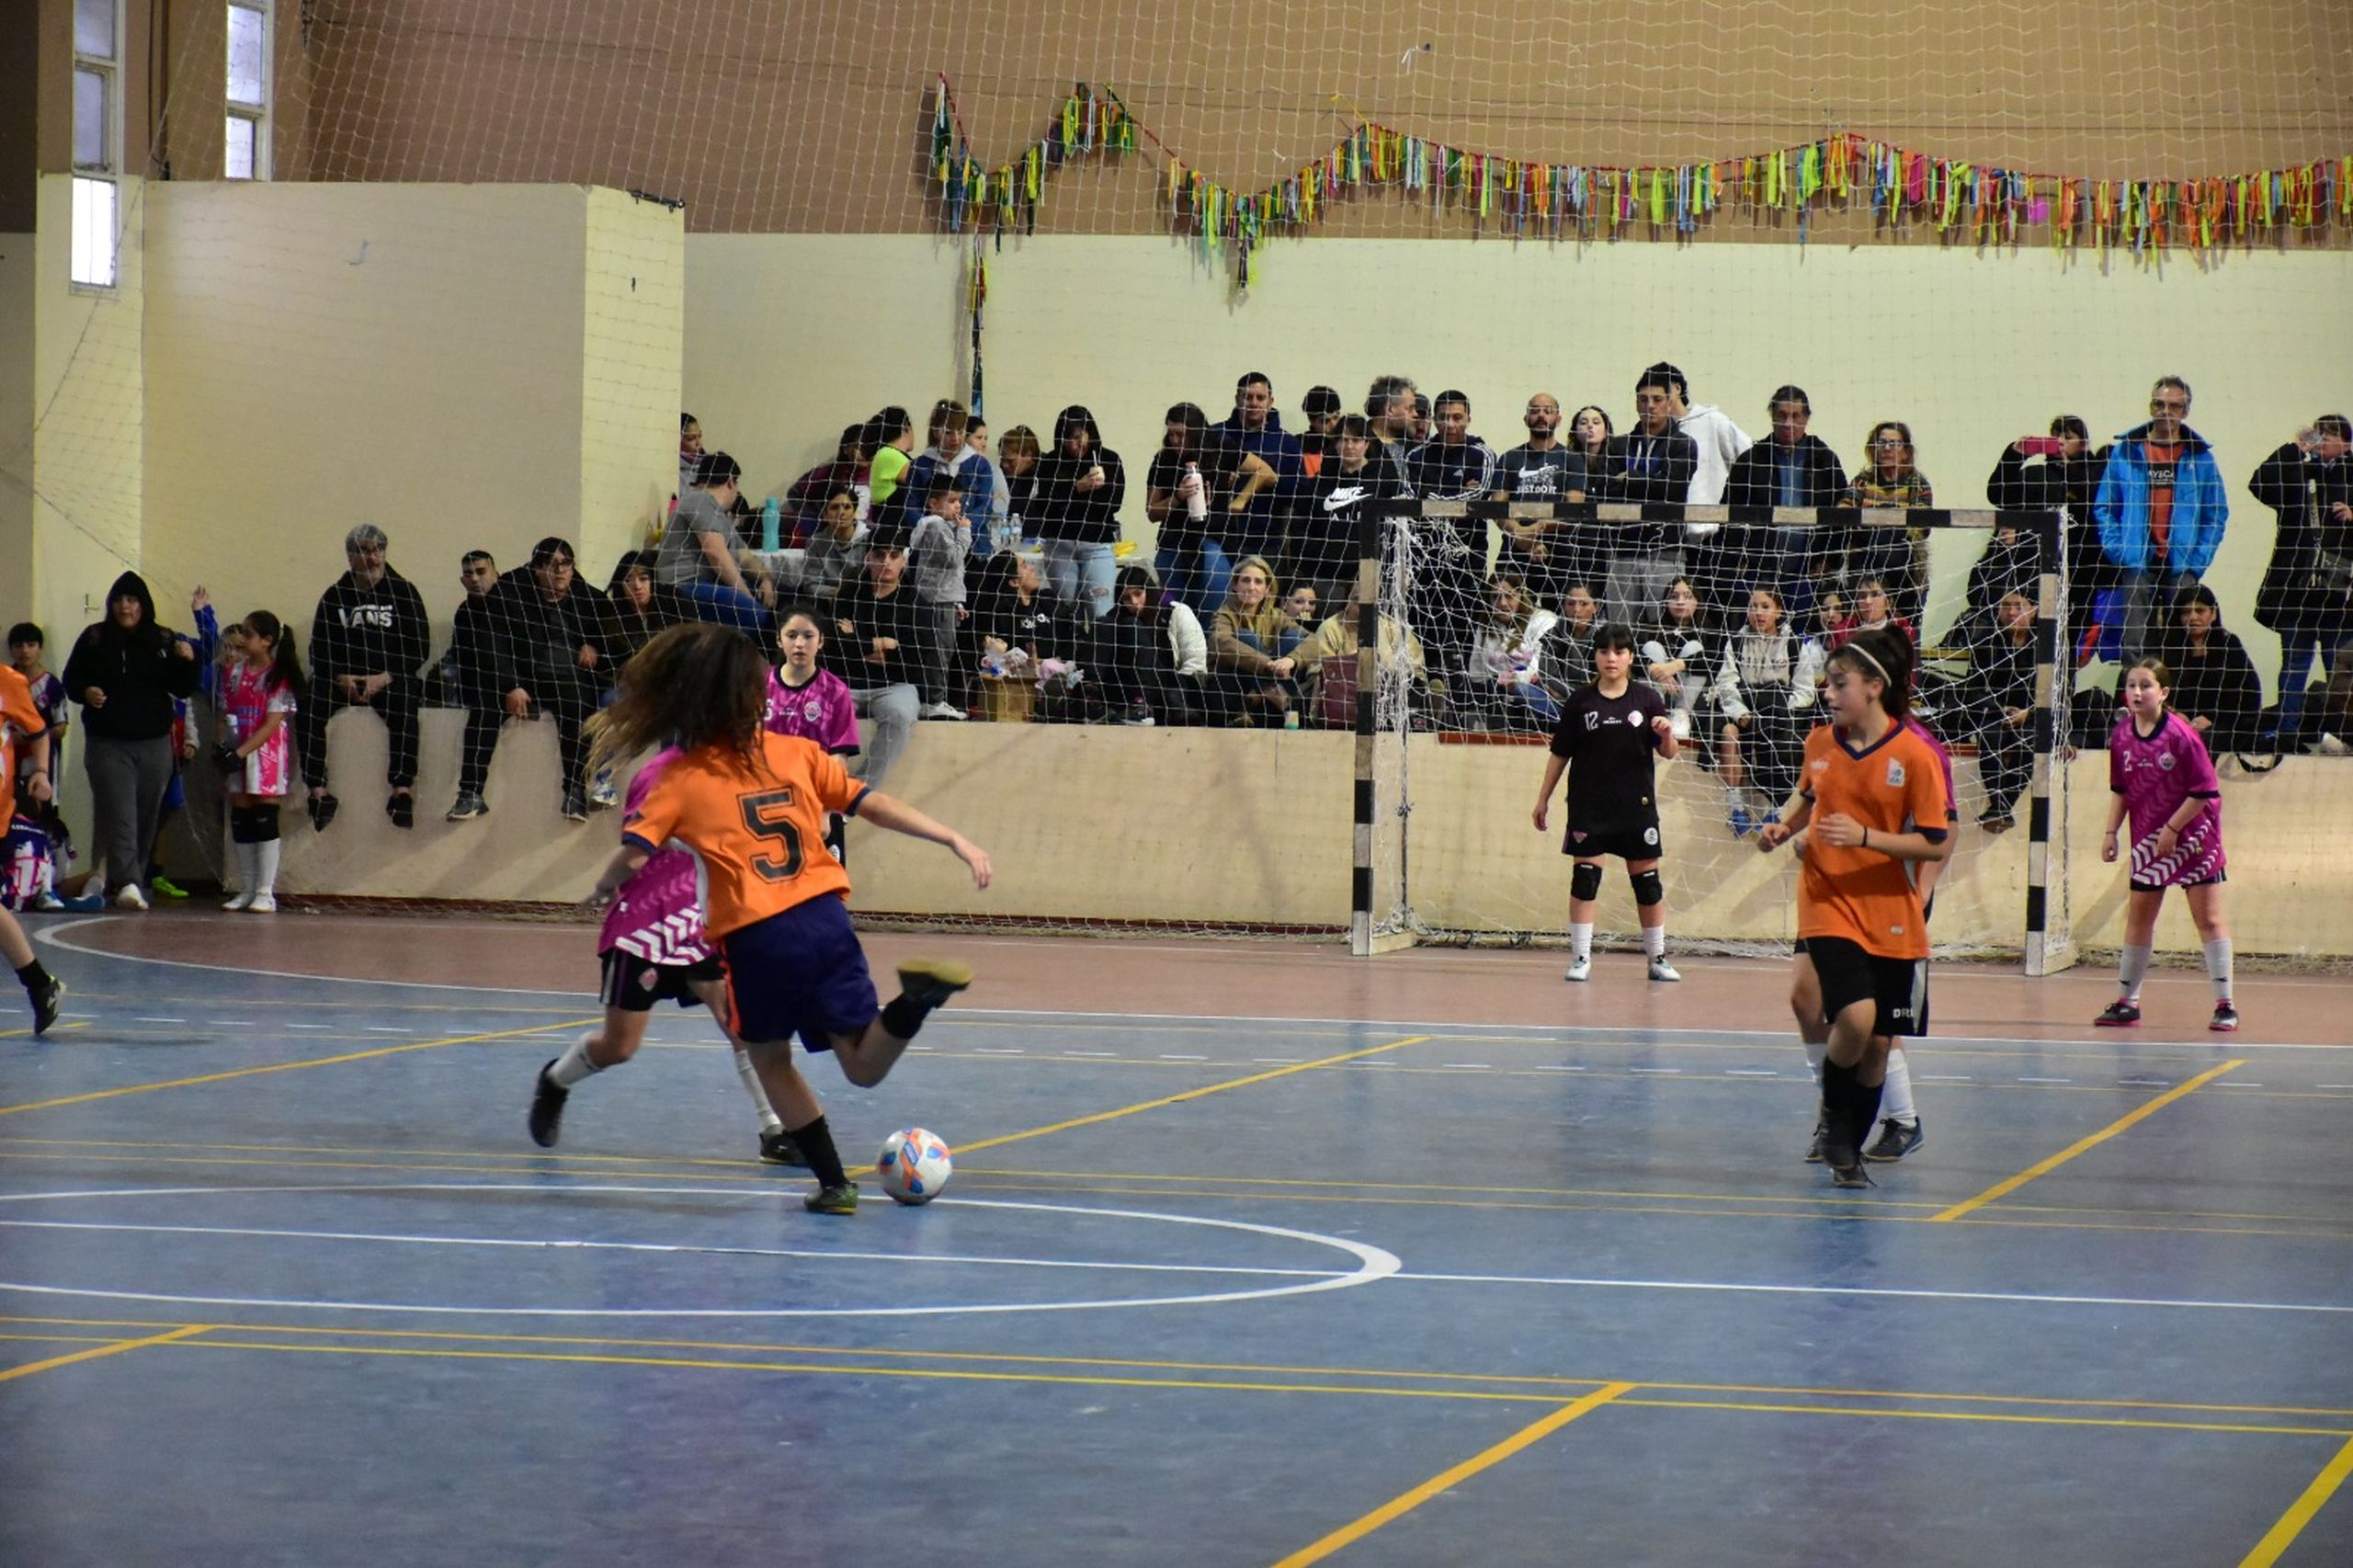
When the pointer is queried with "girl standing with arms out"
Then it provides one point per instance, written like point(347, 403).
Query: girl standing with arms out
point(1610, 730)
point(750, 805)
point(1874, 799)
point(258, 703)
point(2163, 779)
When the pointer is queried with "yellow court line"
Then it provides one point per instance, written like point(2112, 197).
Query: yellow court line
point(1407, 1502)
point(2044, 1167)
point(1191, 1095)
point(118, 1348)
point(2300, 1513)
point(1992, 1417)
point(289, 1066)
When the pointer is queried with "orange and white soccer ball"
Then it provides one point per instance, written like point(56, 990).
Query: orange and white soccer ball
point(914, 1165)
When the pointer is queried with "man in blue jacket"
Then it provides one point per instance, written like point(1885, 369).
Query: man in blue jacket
point(1257, 428)
point(2161, 510)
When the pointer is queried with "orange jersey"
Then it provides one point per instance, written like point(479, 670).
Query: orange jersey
point(19, 722)
point(1867, 897)
point(759, 833)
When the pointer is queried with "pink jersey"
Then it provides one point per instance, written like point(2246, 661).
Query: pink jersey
point(252, 694)
point(2155, 773)
point(657, 915)
point(821, 710)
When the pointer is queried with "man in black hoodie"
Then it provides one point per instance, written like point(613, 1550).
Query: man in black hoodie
point(125, 671)
point(369, 639)
point(555, 654)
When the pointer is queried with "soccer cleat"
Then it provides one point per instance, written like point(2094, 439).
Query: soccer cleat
point(1851, 1174)
point(130, 898)
point(166, 887)
point(777, 1148)
point(575, 806)
point(1663, 970)
point(2119, 1014)
point(929, 982)
point(468, 806)
point(842, 1200)
point(47, 1001)
point(322, 809)
point(547, 1108)
point(1820, 1136)
point(1895, 1141)
point(237, 901)
point(1580, 969)
point(2225, 1018)
point(263, 903)
point(401, 807)
point(1740, 824)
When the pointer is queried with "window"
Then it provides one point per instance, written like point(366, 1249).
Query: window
point(246, 145)
point(98, 142)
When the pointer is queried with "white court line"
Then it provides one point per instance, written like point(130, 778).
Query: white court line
point(54, 936)
point(1769, 1072)
point(2026, 1080)
point(2025, 1297)
point(159, 1020)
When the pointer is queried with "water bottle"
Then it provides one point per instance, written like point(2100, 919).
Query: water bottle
point(770, 524)
point(1197, 500)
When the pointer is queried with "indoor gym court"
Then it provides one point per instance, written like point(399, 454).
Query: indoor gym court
point(1422, 1260)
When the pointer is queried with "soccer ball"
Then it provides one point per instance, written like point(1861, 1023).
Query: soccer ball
point(914, 1165)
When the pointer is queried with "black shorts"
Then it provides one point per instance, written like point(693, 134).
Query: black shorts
point(1627, 840)
point(1849, 974)
point(634, 985)
point(2220, 876)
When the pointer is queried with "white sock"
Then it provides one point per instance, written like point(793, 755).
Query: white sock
point(572, 1066)
point(1735, 798)
point(1895, 1099)
point(2218, 967)
point(265, 868)
point(245, 867)
point(1816, 1052)
point(1654, 942)
point(1581, 940)
point(770, 1120)
point(2132, 967)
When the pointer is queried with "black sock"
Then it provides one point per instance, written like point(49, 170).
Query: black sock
point(1838, 1107)
point(33, 975)
point(904, 1015)
point(816, 1144)
point(1867, 1096)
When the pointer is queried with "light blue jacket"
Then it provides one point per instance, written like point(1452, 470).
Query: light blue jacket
point(2200, 507)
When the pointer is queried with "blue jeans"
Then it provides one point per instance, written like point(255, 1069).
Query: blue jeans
point(1081, 574)
point(726, 605)
point(1197, 574)
point(2297, 647)
point(1284, 643)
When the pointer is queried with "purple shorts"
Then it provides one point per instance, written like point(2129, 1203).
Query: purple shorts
point(799, 971)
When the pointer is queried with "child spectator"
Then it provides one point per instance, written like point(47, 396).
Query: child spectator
point(2161, 777)
point(1506, 656)
point(1567, 664)
point(256, 755)
point(21, 726)
point(25, 642)
point(1149, 652)
point(636, 607)
point(1021, 621)
point(985, 493)
point(940, 542)
point(890, 437)
point(2001, 706)
point(1672, 652)
point(485, 673)
point(1763, 696)
point(1874, 610)
point(1017, 465)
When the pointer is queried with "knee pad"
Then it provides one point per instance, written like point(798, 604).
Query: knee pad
point(1648, 889)
point(265, 824)
point(1584, 883)
point(241, 825)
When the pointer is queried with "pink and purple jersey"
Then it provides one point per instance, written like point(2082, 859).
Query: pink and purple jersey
point(250, 695)
point(657, 915)
point(2155, 773)
point(821, 710)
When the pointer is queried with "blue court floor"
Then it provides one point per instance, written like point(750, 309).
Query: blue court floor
point(282, 1280)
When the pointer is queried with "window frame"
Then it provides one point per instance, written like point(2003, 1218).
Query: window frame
point(106, 171)
point(257, 114)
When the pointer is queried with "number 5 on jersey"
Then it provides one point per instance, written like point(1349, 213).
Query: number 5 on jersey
point(768, 814)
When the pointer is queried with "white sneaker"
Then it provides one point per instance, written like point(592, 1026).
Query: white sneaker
point(263, 903)
point(1662, 970)
point(237, 901)
point(1580, 969)
point(49, 903)
point(940, 710)
point(130, 898)
point(2329, 746)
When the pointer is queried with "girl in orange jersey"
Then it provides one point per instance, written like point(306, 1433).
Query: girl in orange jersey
point(21, 724)
point(1861, 925)
point(752, 807)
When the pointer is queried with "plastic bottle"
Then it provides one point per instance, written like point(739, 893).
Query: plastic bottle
point(1197, 500)
point(771, 525)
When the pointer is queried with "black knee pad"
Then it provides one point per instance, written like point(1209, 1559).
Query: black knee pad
point(241, 828)
point(1584, 883)
point(1648, 889)
point(265, 824)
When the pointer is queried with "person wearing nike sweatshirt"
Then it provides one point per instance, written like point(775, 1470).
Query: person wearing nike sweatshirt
point(369, 639)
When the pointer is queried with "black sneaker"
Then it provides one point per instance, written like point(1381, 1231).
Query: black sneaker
point(2118, 1015)
point(46, 1003)
point(1895, 1141)
point(402, 808)
point(931, 981)
point(2225, 1018)
point(547, 1108)
point(842, 1200)
point(778, 1148)
point(1852, 1175)
point(1821, 1134)
point(322, 809)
